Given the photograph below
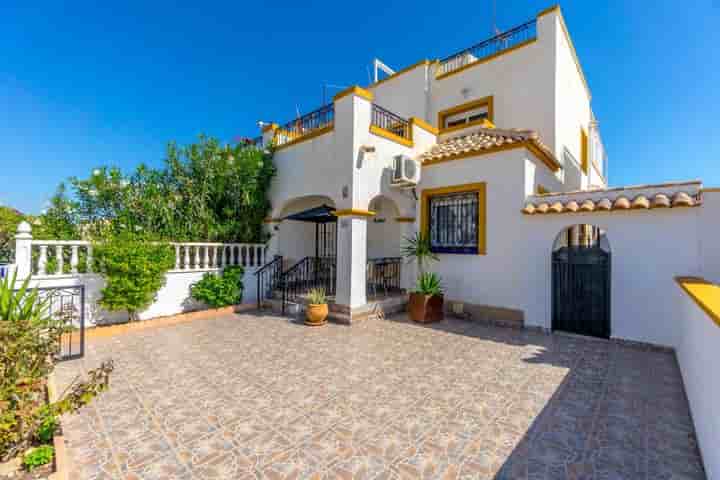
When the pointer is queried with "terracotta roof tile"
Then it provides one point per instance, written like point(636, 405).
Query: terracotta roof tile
point(483, 139)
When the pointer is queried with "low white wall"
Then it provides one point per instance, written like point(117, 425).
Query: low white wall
point(698, 353)
point(172, 298)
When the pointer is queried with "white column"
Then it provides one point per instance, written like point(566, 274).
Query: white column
point(351, 261)
point(59, 259)
point(74, 259)
point(186, 264)
point(197, 257)
point(23, 250)
point(42, 260)
point(207, 256)
point(177, 257)
point(89, 266)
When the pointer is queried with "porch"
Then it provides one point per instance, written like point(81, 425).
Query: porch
point(307, 245)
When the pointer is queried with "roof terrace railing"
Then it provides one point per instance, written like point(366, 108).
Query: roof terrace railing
point(323, 117)
point(390, 122)
point(504, 41)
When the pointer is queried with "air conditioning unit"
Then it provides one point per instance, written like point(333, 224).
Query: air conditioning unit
point(406, 172)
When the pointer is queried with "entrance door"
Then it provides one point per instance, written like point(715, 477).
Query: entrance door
point(581, 290)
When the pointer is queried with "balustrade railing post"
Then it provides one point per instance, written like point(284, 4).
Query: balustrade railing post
point(206, 259)
point(42, 260)
point(177, 257)
point(23, 250)
point(186, 257)
point(89, 260)
point(74, 259)
point(197, 257)
point(59, 259)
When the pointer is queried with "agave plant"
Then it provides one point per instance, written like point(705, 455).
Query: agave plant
point(317, 296)
point(429, 283)
point(22, 303)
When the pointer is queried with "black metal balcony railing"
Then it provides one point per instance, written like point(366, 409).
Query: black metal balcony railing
point(390, 122)
point(301, 126)
point(499, 43)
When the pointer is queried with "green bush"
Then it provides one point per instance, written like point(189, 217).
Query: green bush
point(220, 290)
point(29, 340)
point(134, 270)
point(37, 457)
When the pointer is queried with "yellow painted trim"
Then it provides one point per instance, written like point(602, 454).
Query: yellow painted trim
point(380, 132)
point(272, 126)
point(307, 136)
point(548, 10)
point(711, 190)
point(487, 59)
point(547, 160)
point(584, 162)
point(353, 212)
point(272, 220)
point(405, 219)
point(705, 294)
point(485, 123)
point(480, 188)
point(397, 74)
point(424, 125)
point(488, 101)
point(355, 90)
point(541, 190)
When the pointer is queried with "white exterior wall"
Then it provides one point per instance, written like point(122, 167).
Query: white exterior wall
point(522, 83)
point(698, 353)
point(709, 236)
point(407, 94)
point(172, 298)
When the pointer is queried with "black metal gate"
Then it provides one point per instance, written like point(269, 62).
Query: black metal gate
point(581, 291)
point(68, 304)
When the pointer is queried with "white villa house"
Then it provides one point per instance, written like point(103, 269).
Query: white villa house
point(496, 154)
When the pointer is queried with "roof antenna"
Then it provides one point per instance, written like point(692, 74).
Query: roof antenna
point(496, 30)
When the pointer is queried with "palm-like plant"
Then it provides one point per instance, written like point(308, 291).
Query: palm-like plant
point(417, 248)
point(429, 284)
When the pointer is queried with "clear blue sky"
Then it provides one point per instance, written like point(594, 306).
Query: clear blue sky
point(84, 84)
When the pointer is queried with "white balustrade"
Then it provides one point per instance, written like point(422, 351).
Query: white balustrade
point(48, 257)
point(213, 256)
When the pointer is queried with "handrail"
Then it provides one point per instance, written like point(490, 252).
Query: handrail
point(390, 122)
point(301, 126)
point(268, 276)
point(487, 48)
point(278, 258)
point(310, 272)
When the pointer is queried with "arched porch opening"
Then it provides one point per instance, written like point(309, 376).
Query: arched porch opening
point(581, 275)
point(299, 239)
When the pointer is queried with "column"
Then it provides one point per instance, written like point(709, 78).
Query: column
point(23, 251)
point(351, 260)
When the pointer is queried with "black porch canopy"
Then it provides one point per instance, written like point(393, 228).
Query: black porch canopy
point(322, 214)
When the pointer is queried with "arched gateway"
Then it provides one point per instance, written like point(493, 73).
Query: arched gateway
point(581, 275)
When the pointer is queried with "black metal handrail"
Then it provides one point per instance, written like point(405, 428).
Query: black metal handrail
point(301, 126)
point(383, 274)
point(487, 48)
point(268, 278)
point(308, 273)
point(390, 122)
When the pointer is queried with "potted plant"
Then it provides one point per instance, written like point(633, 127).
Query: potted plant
point(317, 309)
point(426, 301)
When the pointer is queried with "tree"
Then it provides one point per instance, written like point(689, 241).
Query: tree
point(9, 221)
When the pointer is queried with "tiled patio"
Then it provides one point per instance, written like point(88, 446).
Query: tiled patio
point(248, 396)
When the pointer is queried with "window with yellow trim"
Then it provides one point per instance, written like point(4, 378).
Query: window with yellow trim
point(468, 114)
point(454, 219)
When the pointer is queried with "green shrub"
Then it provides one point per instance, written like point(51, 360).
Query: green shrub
point(220, 290)
point(38, 457)
point(429, 284)
point(134, 270)
point(29, 340)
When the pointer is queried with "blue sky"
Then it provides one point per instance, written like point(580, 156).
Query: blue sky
point(84, 84)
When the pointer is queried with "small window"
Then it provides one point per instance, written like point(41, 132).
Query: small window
point(454, 223)
point(470, 116)
point(476, 112)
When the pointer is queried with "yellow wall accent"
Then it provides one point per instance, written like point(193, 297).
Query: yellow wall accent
point(380, 132)
point(548, 10)
point(705, 294)
point(584, 161)
point(487, 59)
point(541, 190)
point(480, 188)
point(424, 125)
point(353, 212)
point(307, 136)
point(712, 190)
point(464, 107)
point(405, 219)
point(546, 159)
point(272, 126)
point(398, 73)
point(355, 90)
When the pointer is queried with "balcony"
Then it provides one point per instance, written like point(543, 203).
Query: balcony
point(305, 127)
point(386, 124)
point(506, 41)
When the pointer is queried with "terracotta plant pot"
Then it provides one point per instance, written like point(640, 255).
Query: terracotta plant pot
point(316, 315)
point(425, 308)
